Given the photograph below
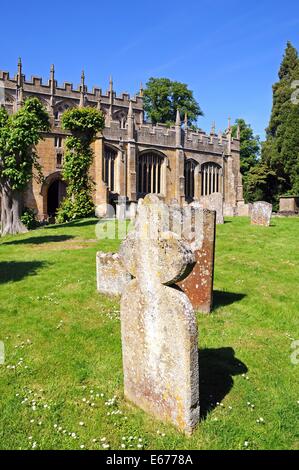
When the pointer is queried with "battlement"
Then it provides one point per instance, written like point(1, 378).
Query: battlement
point(165, 136)
point(57, 98)
point(67, 90)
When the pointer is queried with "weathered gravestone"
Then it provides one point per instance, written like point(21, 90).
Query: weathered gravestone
point(159, 330)
point(196, 226)
point(244, 210)
point(199, 231)
point(112, 277)
point(214, 202)
point(121, 208)
point(289, 205)
point(261, 213)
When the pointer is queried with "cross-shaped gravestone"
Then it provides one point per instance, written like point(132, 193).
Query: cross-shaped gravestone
point(159, 330)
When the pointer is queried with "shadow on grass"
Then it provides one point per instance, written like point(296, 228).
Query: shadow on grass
point(40, 240)
point(216, 369)
point(222, 298)
point(18, 270)
point(75, 223)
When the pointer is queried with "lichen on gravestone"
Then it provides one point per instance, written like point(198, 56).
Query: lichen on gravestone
point(159, 329)
point(261, 213)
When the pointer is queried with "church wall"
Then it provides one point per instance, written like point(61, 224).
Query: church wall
point(126, 132)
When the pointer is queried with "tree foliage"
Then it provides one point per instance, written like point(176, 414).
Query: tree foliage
point(249, 153)
point(290, 149)
point(249, 145)
point(277, 171)
point(261, 184)
point(19, 133)
point(280, 150)
point(162, 98)
point(29, 218)
point(83, 123)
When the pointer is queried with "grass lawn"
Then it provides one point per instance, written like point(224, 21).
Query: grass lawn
point(63, 371)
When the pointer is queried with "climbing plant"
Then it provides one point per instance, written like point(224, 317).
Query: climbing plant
point(83, 123)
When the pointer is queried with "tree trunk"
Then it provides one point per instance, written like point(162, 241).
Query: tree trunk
point(11, 211)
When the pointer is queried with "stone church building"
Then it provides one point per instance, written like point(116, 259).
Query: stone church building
point(131, 156)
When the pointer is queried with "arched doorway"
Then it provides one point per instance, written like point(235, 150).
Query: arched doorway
point(110, 174)
point(56, 193)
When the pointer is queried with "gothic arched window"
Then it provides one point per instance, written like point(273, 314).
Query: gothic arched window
point(189, 169)
point(211, 178)
point(108, 167)
point(149, 173)
point(121, 118)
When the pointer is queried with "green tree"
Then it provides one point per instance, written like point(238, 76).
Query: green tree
point(276, 150)
point(249, 145)
point(249, 152)
point(162, 98)
point(83, 123)
point(290, 150)
point(19, 133)
point(262, 184)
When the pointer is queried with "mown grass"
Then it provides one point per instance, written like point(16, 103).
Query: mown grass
point(63, 349)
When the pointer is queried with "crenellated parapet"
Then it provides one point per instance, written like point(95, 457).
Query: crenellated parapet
point(124, 115)
point(59, 97)
point(35, 85)
point(161, 135)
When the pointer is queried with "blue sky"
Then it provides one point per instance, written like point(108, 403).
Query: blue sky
point(228, 52)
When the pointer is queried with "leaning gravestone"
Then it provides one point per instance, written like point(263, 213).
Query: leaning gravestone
point(112, 277)
point(159, 330)
point(214, 202)
point(261, 213)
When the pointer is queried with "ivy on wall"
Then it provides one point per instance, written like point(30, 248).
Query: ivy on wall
point(83, 123)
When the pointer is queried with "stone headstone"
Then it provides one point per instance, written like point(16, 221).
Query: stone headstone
point(132, 210)
point(289, 204)
point(121, 208)
point(214, 202)
point(229, 210)
point(261, 213)
point(193, 224)
point(159, 330)
point(244, 210)
point(112, 277)
point(198, 285)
